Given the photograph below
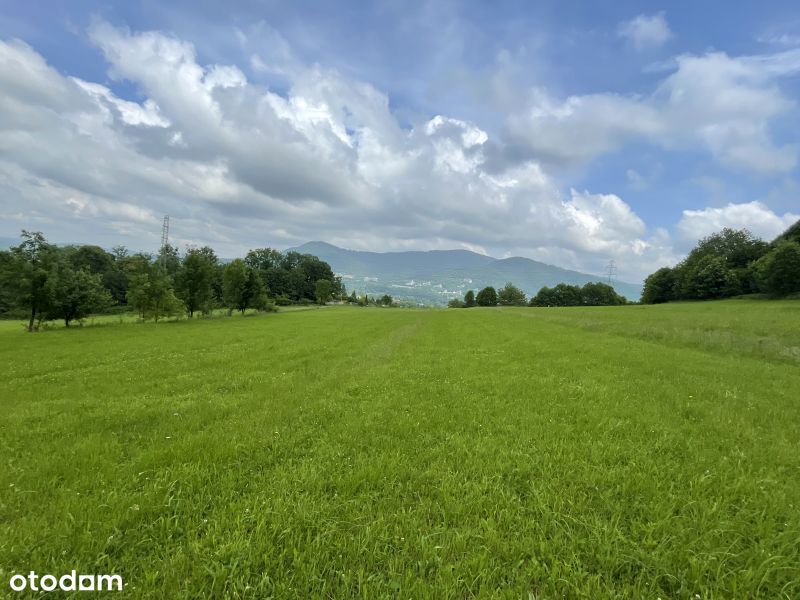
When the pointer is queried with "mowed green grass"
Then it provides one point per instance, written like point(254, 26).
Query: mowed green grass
point(631, 452)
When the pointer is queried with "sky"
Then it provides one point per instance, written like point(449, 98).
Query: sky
point(571, 133)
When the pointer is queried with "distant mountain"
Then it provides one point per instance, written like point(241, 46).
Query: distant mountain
point(436, 276)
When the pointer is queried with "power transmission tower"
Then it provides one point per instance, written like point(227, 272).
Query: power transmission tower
point(611, 272)
point(164, 241)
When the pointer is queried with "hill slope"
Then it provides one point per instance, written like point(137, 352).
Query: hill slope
point(436, 276)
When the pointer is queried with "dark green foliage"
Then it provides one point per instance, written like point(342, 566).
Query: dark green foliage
point(469, 299)
point(6, 275)
point(292, 274)
point(41, 280)
point(709, 277)
point(150, 293)
point(790, 235)
point(659, 287)
point(719, 266)
point(194, 281)
point(242, 287)
point(561, 294)
point(386, 300)
point(75, 293)
point(322, 291)
point(234, 285)
point(255, 291)
point(487, 297)
point(169, 259)
point(456, 303)
point(511, 295)
point(778, 272)
point(600, 294)
point(28, 271)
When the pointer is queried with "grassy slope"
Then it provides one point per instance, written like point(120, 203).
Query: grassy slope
point(363, 452)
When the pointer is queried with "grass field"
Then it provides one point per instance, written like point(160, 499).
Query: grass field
point(631, 452)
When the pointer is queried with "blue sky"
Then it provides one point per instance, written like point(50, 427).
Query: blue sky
point(570, 134)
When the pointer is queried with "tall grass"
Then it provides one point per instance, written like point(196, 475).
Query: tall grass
point(338, 453)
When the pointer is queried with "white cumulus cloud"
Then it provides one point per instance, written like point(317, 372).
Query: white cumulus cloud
point(755, 216)
point(646, 31)
point(721, 103)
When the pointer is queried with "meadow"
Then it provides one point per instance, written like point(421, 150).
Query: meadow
point(345, 452)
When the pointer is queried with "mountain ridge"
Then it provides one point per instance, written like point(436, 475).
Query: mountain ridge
point(436, 276)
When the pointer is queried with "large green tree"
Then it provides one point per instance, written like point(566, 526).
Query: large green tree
point(29, 270)
point(469, 299)
point(595, 293)
point(659, 287)
point(731, 250)
point(778, 272)
point(194, 280)
point(151, 294)
point(75, 293)
point(708, 278)
point(322, 291)
point(487, 297)
point(511, 295)
point(242, 287)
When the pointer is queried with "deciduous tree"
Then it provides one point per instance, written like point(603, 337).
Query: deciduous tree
point(487, 297)
point(511, 295)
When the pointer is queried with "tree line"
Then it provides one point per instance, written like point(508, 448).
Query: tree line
point(730, 263)
point(42, 281)
point(562, 294)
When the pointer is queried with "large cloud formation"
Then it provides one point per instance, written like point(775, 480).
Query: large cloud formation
point(240, 165)
point(722, 103)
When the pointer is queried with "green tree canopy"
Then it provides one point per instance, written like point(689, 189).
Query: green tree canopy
point(659, 287)
point(708, 278)
point(511, 295)
point(195, 279)
point(778, 272)
point(600, 294)
point(469, 299)
point(75, 293)
point(151, 294)
point(322, 290)
point(242, 287)
point(31, 265)
point(561, 294)
point(487, 297)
